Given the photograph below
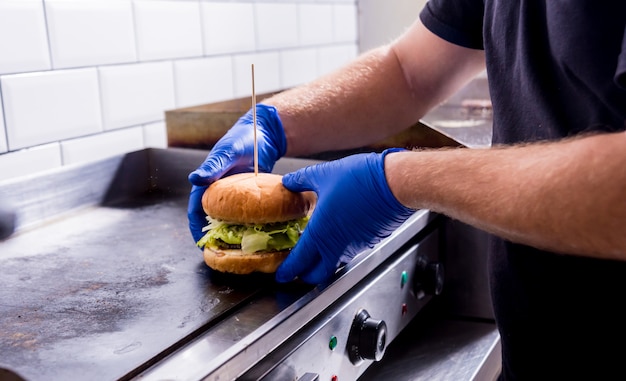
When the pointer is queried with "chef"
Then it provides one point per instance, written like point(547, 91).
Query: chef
point(551, 190)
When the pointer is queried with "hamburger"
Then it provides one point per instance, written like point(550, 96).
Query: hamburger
point(254, 221)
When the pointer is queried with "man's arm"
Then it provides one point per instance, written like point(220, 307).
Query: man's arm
point(565, 196)
point(382, 93)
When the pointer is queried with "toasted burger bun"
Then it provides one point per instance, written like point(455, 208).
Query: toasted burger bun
point(235, 262)
point(247, 198)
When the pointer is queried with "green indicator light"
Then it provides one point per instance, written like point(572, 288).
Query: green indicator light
point(404, 278)
point(332, 344)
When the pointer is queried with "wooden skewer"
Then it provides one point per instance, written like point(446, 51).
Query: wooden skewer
point(256, 150)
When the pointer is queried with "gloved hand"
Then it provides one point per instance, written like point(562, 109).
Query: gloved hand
point(355, 210)
point(234, 153)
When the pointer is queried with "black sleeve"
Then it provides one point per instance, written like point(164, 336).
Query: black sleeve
point(457, 21)
point(620, 74)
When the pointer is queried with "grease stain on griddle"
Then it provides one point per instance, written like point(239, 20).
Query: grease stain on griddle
point(69, 303)
point(205, 306)
point(129, 348)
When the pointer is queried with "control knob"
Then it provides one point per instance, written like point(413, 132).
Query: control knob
point(429, 278)
point(367, 339)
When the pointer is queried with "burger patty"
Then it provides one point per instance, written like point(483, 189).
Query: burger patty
point(224, 245)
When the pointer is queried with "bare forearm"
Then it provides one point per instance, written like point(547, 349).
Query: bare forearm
point(565, 196)
point(356, 105)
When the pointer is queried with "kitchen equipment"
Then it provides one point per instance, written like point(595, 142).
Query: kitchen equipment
point(102, 281)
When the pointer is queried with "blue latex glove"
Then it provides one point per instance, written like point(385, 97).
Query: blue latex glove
point(355, 210)
point(234, 153)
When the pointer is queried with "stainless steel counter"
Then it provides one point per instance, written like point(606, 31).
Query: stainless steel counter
point(442, 349)
point(466, 117)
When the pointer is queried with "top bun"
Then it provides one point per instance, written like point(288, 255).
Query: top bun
point(247, 198)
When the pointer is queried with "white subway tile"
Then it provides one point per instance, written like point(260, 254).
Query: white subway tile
point(227, 27)
point(298, 66)
point(3, 132)
point(155, 135)
point(44, 107)
point(86, 33)
point(332, 57)
point(29, 161)
point(23, 42)
point(277, 25)
point(203, 80)
point(266, 73)
point(136, 94)
point(316, 24)
point(345, 22)
point(168, 29)
point(102, 146)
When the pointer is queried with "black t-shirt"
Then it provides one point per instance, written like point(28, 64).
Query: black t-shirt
point(556, 68)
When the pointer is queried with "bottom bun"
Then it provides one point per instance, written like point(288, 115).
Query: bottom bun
point(232, 261)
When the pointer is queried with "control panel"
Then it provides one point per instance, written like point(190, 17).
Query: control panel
point(343, 341)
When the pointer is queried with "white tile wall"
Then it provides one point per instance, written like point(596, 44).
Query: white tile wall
point(49, 106)
point(3, 133)
point(168, 29)
point(136, 94)
point(101, 146)
point(155, 135)
point(203, 80)
point(277, 25)
point(298, 66)
point(227, 27)
point(85, 79)
point(23, 40)
point(315, 24)
point(345, 22)
point(87, 33)
point(29, 161)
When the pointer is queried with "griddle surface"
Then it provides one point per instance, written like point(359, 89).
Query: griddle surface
point(101, 291)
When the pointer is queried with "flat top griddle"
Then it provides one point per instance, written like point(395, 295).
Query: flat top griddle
point(102, 290)
point(102, 280)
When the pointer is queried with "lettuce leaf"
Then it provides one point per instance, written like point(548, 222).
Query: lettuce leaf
point(252, 238)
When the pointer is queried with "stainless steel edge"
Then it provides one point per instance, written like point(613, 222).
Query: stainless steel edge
point(489, 369)
point(36, 198)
